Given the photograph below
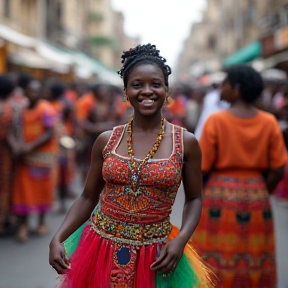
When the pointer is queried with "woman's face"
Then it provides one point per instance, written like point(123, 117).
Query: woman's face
point(227, 91)
point(146, 89)
point(33, 91)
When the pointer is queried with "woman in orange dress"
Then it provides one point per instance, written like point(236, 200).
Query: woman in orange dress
point(33, 188)
point(243, 149)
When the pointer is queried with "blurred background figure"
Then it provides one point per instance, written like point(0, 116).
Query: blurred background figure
point(99, 110)
point(6, 149)
point(175, 111)
point(212, 101)
point(37, 153)
point(281, 112)
point(236, 207)
point(65, 131)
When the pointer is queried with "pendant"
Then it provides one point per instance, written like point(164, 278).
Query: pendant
point(132, 191)
point(135, 178)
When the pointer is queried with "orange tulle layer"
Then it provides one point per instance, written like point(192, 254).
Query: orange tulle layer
point(101, 263)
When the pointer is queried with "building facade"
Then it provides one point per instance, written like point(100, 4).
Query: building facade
point(234, 32)
point(90, 27)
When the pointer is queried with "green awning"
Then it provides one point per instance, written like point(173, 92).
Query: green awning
point(246, 54)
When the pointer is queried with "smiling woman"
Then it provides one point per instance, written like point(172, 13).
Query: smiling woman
point(136, 170)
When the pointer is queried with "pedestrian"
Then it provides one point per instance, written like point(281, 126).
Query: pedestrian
point(63, 172)
point(281, 112)
point(33, 185)
point(129, 241)
point(6, 149)
point(211, 104)
point(244, 152)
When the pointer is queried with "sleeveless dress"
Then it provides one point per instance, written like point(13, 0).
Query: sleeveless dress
point(127, 229)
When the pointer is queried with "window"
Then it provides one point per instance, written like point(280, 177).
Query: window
point(7, 8)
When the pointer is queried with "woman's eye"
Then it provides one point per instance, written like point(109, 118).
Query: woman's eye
point(157, 84)
point(136, 85)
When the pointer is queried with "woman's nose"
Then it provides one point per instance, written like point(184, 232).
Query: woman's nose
point(147, 89)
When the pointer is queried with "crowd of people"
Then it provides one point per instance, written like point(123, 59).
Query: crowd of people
point(47, 135)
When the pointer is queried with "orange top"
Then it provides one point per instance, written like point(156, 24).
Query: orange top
point(71, 96)
point(58, 106)
point(84, 105)
point(35, 122)
point(231, 143)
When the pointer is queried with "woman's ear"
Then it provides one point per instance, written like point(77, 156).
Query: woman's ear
point(236, 91)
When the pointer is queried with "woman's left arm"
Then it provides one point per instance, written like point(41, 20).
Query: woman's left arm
point(192, 182)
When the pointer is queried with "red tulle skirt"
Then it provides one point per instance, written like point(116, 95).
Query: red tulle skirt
point(101, 263)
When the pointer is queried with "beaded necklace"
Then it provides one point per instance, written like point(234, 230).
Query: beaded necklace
point(135, 169)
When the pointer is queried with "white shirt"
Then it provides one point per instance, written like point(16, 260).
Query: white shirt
point(211, 104)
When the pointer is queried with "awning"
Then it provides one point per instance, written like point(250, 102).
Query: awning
point(54, 54)
point(29, 58)
point(32, 59)
point(15, 37)
point(275, 59)
point(246, 54)
point(45, 55)
point(86, 63)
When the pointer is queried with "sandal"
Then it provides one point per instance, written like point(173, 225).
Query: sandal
point(42, 230)
point(22, 234)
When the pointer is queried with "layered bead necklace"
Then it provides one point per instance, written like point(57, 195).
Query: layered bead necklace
point(135, 169)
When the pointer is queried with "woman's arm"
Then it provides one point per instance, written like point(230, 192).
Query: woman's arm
point(98, 127)
point(83, 206)
point(192, 182)
point(273, 178)
point(41, 140)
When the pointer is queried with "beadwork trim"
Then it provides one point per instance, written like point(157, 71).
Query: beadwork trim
point(127, 241)
point(130, 233)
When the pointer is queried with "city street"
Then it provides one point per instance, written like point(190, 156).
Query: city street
point(26, 265)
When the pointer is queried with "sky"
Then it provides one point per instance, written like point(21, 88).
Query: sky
point(165, 23)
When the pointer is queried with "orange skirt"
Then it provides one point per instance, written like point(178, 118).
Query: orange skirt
point(33, 190)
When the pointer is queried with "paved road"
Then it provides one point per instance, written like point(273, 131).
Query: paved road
point(26, 265)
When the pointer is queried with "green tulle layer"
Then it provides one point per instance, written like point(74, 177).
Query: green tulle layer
point(182, 277)
point(71, 243)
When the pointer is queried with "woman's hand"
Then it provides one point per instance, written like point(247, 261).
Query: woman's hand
point(57, 257)
point(26, 149)
point(169, 257)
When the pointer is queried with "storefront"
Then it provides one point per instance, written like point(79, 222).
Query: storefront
point(42, 59)
point(275, 50)
point(3, 56)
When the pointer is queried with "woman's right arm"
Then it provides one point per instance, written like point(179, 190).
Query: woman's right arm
point(273, 178)
point(81, 210)
point(277, 156)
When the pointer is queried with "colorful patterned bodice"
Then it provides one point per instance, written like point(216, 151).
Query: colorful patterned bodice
point(138, 217)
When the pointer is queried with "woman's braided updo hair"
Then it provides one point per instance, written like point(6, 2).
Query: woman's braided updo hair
point(144, 54)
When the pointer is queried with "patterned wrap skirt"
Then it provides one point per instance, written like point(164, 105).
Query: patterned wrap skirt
point(235, 234)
